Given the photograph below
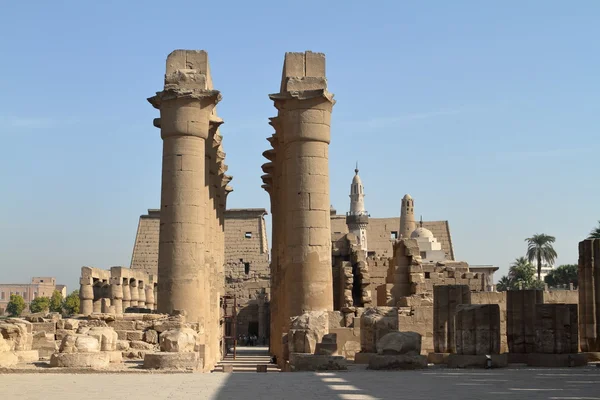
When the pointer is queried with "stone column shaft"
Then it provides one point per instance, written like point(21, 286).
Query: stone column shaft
point(86, 296)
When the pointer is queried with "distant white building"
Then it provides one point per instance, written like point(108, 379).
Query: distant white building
point(546, 269)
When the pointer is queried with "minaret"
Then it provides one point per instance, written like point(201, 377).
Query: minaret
point(407, 217)
point(357, 218)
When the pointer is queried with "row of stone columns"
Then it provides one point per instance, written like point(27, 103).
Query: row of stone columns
point(193, 197)
point(111, 292)
point(297, 180)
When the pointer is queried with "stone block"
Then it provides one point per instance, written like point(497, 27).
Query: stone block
point(100, 360)
point(115, 356)
point(326, 349)
point(182, 340)
point(227, 368)
point(62, 333)
point(48, 327)
point(140, 345)
point(134, 335)
point(397, 362)
point(107, 338)
point(556, 329)
point(313, 362)
point(307, 330)
point(476, 361)
point(477, 329)
point(123, 325)
point(122, 345)
point(438, 358)
point(376, 323)
point(8, 359)
point(28, 356)
point(397, 343)
point(261, 368)
point(557, 360)
point(151, 336)
point(362, 358)
point(520, 319)
point(445, 300)
point(75, 343)
point(173, 361)
point(45, 344)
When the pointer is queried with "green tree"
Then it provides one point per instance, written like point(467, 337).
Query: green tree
point(39, 304)
point(522, 271)
point(15, 306)
point(71, 303)
point(56, 302)
point(539, 247)
point(504, 284)
point(562, 275)
point(595, 233)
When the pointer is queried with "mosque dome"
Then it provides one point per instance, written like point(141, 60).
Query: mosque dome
point(421, 232)
point(407, 197)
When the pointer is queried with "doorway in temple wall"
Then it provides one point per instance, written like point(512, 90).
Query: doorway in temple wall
point(253, 328)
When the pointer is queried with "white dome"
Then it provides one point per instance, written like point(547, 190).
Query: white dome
point(421, 233)
point(407, 197)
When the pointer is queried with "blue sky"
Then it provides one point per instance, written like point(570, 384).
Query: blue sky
point(486, 113)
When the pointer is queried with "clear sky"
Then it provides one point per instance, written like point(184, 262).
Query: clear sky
point(485, 112)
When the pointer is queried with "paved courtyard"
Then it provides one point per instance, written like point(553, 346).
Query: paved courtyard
point(554, 384)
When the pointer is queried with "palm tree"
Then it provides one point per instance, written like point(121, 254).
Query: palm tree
point(504, 284)
point(522, 271)
point(595, 233)
point(539, 247)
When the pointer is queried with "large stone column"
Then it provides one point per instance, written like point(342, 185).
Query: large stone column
point(520, 319)
point(134, 293)
point(589, 295)
point(185, 105)
point(86, 293)
point(149, 288)
point(445, 300)
point(305, 106)
point(116, 294)
point(141, 294)
point(126, 294)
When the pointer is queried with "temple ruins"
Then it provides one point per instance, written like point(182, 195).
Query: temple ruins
point(381, 293)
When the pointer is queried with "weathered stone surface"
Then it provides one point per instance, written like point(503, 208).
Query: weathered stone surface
point(68, 324)
point(445, 300)
point(62, 333)
point(182, 340)
point(375, 323)
point(48, 327)
point(75, 343)
point(556, 329)
point(134, 335)
point(312, 362)
point(307, 330)
point(122, 325)
point(326, 349)
point(27, 356)
point(139, 345)
point(4, 345)
point(115, 356)
point(107, 338)
point(151, 336)
point(476, 361)
point(17, 333)
point(477, 329)
point(397, 361)
point(520, 319)
point(122, 345)
point(44, 343)
point(8, 359)
point(99, 360)
point(173, 361)
point(396, 343)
